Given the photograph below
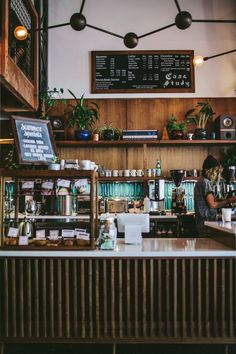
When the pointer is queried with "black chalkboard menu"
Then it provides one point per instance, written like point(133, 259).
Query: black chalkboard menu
point(34, 140)
point(142, 71)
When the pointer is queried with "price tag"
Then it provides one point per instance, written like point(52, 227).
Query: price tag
point(68, 233)
point(63, 183)
point(12, 232)
point(28, 185)
point(40, 234)
point(23, 241)
point(47, 185)
point(83, 236)
point(53, 234)
point(81, 182)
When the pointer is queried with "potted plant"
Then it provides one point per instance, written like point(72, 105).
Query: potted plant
point(229, 163)
point(82, 114)
point(108, 132)
point(176, 130)
point(55, 165)
point(200, 116)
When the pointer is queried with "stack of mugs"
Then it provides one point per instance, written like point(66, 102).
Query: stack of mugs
point(121, 173)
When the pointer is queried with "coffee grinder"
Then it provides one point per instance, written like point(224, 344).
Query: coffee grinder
point(178, 206)
point(229, 175)
point(156, 194)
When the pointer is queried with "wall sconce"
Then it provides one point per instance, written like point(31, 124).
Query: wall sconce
point(21, 33)
point(199, 60)
point(78, 22)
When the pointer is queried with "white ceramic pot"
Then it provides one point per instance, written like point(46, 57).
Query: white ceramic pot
point(54, 166)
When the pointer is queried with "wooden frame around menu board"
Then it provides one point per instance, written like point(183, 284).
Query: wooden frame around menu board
point(34, 140)
point(143, 71)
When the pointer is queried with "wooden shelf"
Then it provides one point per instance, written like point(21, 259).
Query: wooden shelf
point(196, 142)
point(104, 143)
point(47, 173)
point(125, 143)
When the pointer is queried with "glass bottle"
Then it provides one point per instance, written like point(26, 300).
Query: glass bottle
point(158, 168)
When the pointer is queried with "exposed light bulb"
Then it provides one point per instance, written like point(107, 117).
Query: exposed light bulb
point(198, 60)
point(20, 33)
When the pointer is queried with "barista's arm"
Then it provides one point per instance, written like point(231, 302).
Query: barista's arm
point(213, 204)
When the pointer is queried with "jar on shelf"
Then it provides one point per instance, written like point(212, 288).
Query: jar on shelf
point(107, 233)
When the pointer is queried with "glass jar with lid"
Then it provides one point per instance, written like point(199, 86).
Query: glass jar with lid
point(107, 233)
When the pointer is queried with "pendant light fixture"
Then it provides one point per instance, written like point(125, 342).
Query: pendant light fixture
point(199, 60)
point(78, 22)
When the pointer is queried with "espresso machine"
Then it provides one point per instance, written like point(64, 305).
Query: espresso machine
point(178, 205)
point(156, 195)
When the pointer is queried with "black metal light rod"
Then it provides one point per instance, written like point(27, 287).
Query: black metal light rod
point(49, 27)
point(105, 31)
point(158, 30)
point(219, 55)
point(82, 7)
point(215, 21)
point(177, 5)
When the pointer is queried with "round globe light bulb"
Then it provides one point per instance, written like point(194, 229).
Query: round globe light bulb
point(20, 33)
point(198, 60)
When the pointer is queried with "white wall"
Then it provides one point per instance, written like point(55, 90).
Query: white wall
point(69, 50)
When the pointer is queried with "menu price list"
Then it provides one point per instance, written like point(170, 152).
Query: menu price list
point(143, 71)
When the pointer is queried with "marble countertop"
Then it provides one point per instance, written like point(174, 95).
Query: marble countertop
point(150, 248)
point(229, 227)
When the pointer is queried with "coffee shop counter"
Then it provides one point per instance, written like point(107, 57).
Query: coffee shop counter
point(162, 291)
point(150, 248)
point(223, 232)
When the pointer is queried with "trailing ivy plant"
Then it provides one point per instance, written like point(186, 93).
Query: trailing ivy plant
point(48, 99)
point(11, 160)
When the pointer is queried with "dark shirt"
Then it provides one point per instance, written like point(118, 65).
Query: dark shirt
point(203, 213)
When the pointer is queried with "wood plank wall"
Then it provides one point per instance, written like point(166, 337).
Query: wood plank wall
point(111, 300)
point(150, 113)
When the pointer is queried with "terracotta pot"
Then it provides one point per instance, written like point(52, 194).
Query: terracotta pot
point(70, 133)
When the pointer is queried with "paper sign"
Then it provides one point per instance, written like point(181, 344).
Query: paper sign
point(12, 232)
point(68, 233)
point(28, 185)
point(23, 241)
point(81, 182)
point(40, 234)
point(63, 183)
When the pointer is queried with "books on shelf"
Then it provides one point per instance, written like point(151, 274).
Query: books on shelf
point(140, 134)
point(140, 137)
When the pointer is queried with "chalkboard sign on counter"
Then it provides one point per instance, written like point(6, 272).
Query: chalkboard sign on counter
point(142, 71)
point(34, 140)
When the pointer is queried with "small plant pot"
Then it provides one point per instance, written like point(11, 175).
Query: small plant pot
point(83, 134)
point(200, 134)
point(54, 166)
point(177, 135)
point(109, 134)
point(95, 137)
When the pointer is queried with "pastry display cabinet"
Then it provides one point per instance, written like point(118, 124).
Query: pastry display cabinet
point(49, 209)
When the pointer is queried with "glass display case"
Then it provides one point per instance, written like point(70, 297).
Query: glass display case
point(52, 209)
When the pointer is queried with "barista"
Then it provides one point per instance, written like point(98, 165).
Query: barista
point(205, 203)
